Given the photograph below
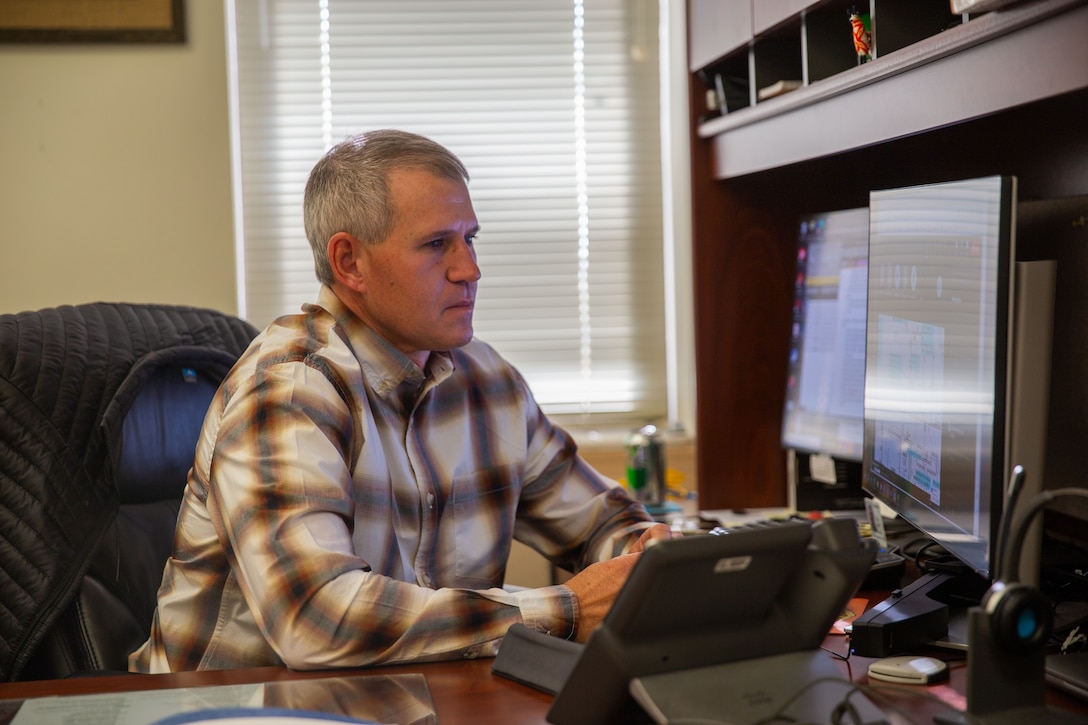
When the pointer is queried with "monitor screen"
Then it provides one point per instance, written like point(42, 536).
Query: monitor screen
point(940, 261)
point(825, 391)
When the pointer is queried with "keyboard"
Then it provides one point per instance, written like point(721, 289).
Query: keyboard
point(887, 558)
point(1069, 672)
point(888, 566)
point(749, 525)
point(887, 570)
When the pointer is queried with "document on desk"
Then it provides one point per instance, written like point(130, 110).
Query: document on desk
point(403, 699)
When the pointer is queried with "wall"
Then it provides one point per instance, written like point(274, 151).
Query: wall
point(115, 180)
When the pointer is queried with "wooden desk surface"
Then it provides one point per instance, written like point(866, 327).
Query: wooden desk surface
point(467, 691)
point(463, 691)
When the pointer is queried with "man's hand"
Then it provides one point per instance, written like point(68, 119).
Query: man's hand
point(595, 587)
point(657, 532)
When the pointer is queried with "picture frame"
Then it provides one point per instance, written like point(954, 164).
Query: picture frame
point(92, 21)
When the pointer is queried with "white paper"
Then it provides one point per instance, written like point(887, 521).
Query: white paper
point(134, 708)
point(822, 469)
point(403, 698)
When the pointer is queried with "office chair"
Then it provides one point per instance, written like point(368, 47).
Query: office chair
point(100, 408)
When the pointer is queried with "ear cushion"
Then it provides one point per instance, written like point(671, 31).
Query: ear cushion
point(1021, 618)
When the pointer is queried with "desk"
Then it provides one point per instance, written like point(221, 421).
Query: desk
point(463, 691)
point(467, 692)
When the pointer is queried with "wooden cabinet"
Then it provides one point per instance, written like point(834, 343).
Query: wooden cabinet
point(766, 14)
point(751, 50)
point(945, 97)
point(716, 28)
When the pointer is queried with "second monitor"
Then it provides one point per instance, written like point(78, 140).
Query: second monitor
point(823, 418)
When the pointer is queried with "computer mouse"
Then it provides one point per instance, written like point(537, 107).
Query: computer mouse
point(908, 669)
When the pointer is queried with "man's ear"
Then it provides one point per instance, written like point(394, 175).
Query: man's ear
point(347, 261)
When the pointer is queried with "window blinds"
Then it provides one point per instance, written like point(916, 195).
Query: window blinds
point(554, 107)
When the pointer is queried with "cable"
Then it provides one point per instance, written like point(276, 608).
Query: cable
point(1036, 505)
point(1016, 484)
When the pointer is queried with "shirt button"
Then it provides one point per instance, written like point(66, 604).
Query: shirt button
point(430, 500)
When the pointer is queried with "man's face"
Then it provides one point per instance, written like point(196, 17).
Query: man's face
point(421, 280)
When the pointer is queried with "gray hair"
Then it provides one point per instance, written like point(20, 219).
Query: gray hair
point(348, 188)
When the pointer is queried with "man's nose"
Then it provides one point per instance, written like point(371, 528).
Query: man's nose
point(464, 267)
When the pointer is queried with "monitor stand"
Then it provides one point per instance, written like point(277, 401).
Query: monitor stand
point(931, 611)
point(959, 593)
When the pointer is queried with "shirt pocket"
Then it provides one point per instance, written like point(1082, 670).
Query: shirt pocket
point(484, 505)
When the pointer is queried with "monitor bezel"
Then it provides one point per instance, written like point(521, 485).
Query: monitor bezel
point(978, 555)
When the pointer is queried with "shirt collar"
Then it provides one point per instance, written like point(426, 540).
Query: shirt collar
point(386, 368)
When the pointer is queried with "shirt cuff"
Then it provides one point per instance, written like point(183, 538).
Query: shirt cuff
point(623, 541)
point(551, 610)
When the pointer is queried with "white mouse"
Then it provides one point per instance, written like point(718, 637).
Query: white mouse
point(908, 669)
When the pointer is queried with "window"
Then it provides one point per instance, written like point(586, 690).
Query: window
point(553, 105)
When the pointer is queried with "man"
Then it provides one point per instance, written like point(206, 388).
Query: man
point(365, 466)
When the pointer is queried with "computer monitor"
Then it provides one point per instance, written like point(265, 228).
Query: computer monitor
point(825, 390)
point(957, 365)
point(949, 378)
point(822, 423)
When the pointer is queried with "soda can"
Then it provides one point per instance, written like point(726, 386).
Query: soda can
point(646, 465)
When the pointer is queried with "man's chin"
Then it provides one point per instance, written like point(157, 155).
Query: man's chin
point(453, 342)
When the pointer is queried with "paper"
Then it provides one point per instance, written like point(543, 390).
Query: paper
point(134, 708)
point(854, 609)
point(876, 522)
point(822, 469)
point(401, 699)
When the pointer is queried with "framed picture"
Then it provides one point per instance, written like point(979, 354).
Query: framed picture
point(92, 21)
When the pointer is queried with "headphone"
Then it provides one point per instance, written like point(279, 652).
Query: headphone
point(1021, 618)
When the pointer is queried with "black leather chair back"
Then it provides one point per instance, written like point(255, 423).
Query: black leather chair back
point(111, 613)
point(100, 409)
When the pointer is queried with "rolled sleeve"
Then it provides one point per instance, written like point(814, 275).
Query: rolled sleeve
point(551, 610)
